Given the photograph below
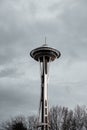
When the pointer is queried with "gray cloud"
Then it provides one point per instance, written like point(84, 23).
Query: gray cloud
point(23, 26)
point(17, 98)
point(9, 72)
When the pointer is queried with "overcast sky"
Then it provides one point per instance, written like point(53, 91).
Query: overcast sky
point(23, 27)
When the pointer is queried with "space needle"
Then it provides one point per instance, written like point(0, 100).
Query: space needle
point(44, 55)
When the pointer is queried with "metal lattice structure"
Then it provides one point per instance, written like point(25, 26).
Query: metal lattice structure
point(44, 55)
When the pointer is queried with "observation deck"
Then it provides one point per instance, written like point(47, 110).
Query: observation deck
point(48, 52)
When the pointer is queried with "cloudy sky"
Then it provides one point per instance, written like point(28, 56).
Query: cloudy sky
point(23, 27)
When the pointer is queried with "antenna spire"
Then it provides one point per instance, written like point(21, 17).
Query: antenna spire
point(45, 44)
point(45, 39)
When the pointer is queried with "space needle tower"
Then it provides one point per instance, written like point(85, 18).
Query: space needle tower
point(44, 55)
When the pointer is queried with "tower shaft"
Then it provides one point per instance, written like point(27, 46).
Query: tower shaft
point(44, 94)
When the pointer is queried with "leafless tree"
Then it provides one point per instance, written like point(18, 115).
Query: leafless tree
point(17, 123)
point(79, 115)
point(32, 122)
point(60, 118)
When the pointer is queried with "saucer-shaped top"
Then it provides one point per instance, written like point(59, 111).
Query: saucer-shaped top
point(49, 53)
